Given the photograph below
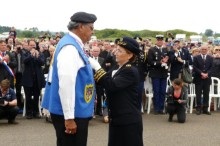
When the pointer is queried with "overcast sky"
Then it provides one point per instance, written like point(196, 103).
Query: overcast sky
point(161, 15)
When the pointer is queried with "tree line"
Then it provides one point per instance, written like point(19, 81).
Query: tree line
point(109, 34)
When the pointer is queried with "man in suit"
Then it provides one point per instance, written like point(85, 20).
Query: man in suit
point(7, 60)
point(158, 71)
point(33, 79)
point(202, 65)
point(178, 57)
point(99, 90)
point(109, 57)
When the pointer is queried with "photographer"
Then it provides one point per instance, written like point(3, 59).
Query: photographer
point(8, 102)
point(176, 101)
point(19, 52)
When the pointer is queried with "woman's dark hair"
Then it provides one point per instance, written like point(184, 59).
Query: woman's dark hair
point(132, 59)
point(178, 82)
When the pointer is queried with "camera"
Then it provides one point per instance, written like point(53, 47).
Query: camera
point(2, 101)
point(18, 48)
point(170, 99)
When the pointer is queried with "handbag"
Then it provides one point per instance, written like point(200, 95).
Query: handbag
point(187, 75)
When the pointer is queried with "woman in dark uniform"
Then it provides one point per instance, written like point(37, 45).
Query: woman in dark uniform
point(121, 85)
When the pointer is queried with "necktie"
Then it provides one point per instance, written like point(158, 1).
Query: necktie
point(203, 57)
point(19, 62)
point(179, 53)
point(3, 54)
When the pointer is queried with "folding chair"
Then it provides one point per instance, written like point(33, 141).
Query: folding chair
point(214, 92)
point(192, 96)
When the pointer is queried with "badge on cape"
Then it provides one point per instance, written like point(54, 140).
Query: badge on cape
point(88, 92)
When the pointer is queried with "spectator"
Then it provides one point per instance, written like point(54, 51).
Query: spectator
point(8, 102)
point(33, 79)
point(202, 67)
point(158, 71)
point(7, 64)
point(178, 57)
point(176, 101)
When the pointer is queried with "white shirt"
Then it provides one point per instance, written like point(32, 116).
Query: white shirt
point(68, 63)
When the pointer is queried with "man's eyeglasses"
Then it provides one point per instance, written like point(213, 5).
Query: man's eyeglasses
point(90, 26)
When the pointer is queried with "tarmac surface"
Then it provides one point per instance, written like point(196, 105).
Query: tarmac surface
point(199, 130)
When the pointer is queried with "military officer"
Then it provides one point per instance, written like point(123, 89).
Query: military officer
point(158, 71)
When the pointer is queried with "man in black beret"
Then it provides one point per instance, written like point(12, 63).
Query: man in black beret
point(69, 93)
point(83, 17)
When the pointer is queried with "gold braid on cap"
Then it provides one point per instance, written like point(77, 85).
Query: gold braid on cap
point(122, 43)
point(99, 74)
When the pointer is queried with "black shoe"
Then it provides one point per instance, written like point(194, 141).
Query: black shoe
point(170, 119)
point(99, 113)
point(36, 116)
point(198, 112)
point(206, 112)
point(161, 113)
point(29, 116)
point(12, 122)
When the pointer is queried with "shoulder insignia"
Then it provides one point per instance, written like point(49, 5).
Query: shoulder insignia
point(128, 65)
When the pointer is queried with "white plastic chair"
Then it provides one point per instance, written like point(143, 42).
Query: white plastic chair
point(24, 99)
point(191, 95)
point(215, 84)
point(149, 96)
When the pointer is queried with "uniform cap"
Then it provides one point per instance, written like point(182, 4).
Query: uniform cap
point(83, 17)
point(159, 36)
point(130, 44)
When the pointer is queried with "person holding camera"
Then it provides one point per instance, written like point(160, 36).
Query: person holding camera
point(176, 100)
point(19, 52)
point(8, 102)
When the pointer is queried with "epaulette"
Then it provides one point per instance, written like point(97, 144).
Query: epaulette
point(99, 74)
point(128, 65)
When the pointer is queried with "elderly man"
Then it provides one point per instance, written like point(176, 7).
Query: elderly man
point(69, 93)
point(202, 66)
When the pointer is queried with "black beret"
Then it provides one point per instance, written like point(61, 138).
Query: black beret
point(83, 17)
point(130, 44)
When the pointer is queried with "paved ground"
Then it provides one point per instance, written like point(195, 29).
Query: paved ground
point(203, 130)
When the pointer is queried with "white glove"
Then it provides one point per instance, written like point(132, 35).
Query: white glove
point(164, 65)
point(95, 65)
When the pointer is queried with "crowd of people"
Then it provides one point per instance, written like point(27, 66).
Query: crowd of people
point(102, 78)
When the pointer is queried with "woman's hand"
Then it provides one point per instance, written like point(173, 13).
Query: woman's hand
point(179, 101)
